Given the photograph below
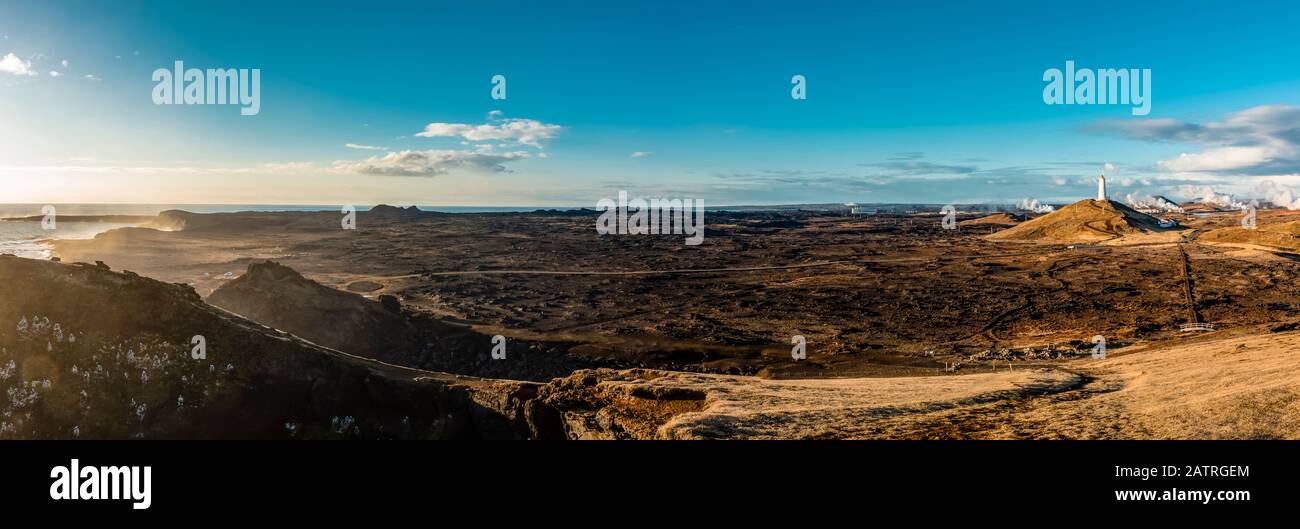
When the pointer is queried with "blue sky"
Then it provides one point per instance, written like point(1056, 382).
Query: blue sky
point(930, 102)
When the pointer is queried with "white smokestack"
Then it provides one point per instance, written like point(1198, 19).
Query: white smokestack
point(1101, 187)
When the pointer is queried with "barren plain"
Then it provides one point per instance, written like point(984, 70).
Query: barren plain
point(912, 330)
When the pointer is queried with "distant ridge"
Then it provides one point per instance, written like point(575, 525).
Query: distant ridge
point(996, 219)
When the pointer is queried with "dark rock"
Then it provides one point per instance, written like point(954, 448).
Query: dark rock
point(391, 303)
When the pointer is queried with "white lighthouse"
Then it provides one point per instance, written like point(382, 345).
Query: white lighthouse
point(1101, 187)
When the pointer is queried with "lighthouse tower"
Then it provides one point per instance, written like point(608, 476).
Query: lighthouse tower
point(1101, 187)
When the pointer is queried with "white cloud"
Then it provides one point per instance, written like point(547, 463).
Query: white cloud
point(64, 62)
point(1258, 141)
point(92, 77)
point(430, 162)
point(364, 147)
point(54, 73)
point(286, 167)
point(10, 63)
point(641, 154)
point(522, 131)
point(1223, 159)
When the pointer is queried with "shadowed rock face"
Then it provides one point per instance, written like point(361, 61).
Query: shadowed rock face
point(91, 353)
point(282, 298)
point(278, 296)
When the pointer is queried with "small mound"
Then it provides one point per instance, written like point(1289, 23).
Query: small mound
point(1277, 236)
point(1085, 221)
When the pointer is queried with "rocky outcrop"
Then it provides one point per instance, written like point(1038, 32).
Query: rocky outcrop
point(280, 297)
point(606, 404)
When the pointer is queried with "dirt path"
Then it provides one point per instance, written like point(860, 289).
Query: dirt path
point(1194, 314)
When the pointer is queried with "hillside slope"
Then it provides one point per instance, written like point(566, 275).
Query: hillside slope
point(1086, 221)
point(1276, 236)
point(1214, 387)
point(91, 353)
point(996, 219)
point(280, 297)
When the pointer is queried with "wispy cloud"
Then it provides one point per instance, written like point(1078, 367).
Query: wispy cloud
point(918, 169)
point(364, 147)
point(640, 154)
point(909, 155)
point(529, 132)
point(430, 162)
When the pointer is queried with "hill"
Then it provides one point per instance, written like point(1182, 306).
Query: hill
point(1276, 236)
point(86, 352)
point(1087, 221)
point(278, 296)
